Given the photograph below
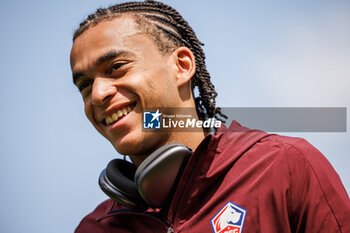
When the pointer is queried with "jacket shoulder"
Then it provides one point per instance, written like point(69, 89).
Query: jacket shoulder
point(316, 190)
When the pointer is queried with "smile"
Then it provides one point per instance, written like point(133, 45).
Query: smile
point(117, 115)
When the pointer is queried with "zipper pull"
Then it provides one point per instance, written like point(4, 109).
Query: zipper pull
point(170, 230)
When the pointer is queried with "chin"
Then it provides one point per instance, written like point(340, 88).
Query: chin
point(129, 147)
point(125, 150)
point(136, 146)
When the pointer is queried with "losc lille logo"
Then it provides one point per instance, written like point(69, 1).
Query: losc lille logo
point(151, 120)
point(230, 219)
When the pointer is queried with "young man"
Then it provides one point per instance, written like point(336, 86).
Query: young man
point(138, 55)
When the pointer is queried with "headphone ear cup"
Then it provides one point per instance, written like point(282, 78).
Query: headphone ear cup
point(117, 181)
point(121, 174)
point(157, 176)
point(152, 184)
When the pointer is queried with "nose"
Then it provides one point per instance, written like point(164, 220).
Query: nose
point(102, 91)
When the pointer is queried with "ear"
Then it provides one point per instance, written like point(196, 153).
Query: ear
point(185, 65)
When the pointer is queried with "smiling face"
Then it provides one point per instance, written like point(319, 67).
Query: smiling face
point(120, 71)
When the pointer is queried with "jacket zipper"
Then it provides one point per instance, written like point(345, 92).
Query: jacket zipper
point(188, 181)
point(170, 230)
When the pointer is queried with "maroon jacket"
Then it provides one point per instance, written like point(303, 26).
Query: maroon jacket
point(242, 181)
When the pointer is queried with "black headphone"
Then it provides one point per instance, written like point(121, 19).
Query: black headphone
point(152, 183)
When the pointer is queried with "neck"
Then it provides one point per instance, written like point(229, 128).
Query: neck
point(190, 139)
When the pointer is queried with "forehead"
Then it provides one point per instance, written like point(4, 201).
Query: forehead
point(104, 36)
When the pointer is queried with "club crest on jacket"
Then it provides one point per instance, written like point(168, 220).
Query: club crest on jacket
point(229, 219)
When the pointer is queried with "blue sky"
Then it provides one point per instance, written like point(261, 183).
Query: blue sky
point(259, 54)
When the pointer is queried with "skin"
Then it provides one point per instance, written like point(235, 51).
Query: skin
point(134, 73)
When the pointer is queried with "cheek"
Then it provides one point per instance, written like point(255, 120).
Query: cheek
point(160, 85)
point(88, 112)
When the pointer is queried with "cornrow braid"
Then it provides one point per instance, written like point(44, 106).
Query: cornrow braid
point(166, 23)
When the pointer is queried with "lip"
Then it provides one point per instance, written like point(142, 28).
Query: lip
point(113, 110)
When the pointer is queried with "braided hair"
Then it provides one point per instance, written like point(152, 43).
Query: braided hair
point(169, 30)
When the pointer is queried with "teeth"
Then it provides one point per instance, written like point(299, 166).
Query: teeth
point(115, 116)
point(119, 113)
point(124, 111)
point(109, 120)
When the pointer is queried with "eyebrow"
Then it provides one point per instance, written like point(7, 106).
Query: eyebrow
point(110, 55)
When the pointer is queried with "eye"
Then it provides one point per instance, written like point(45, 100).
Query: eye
point(85, 84)
point(115, 67)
